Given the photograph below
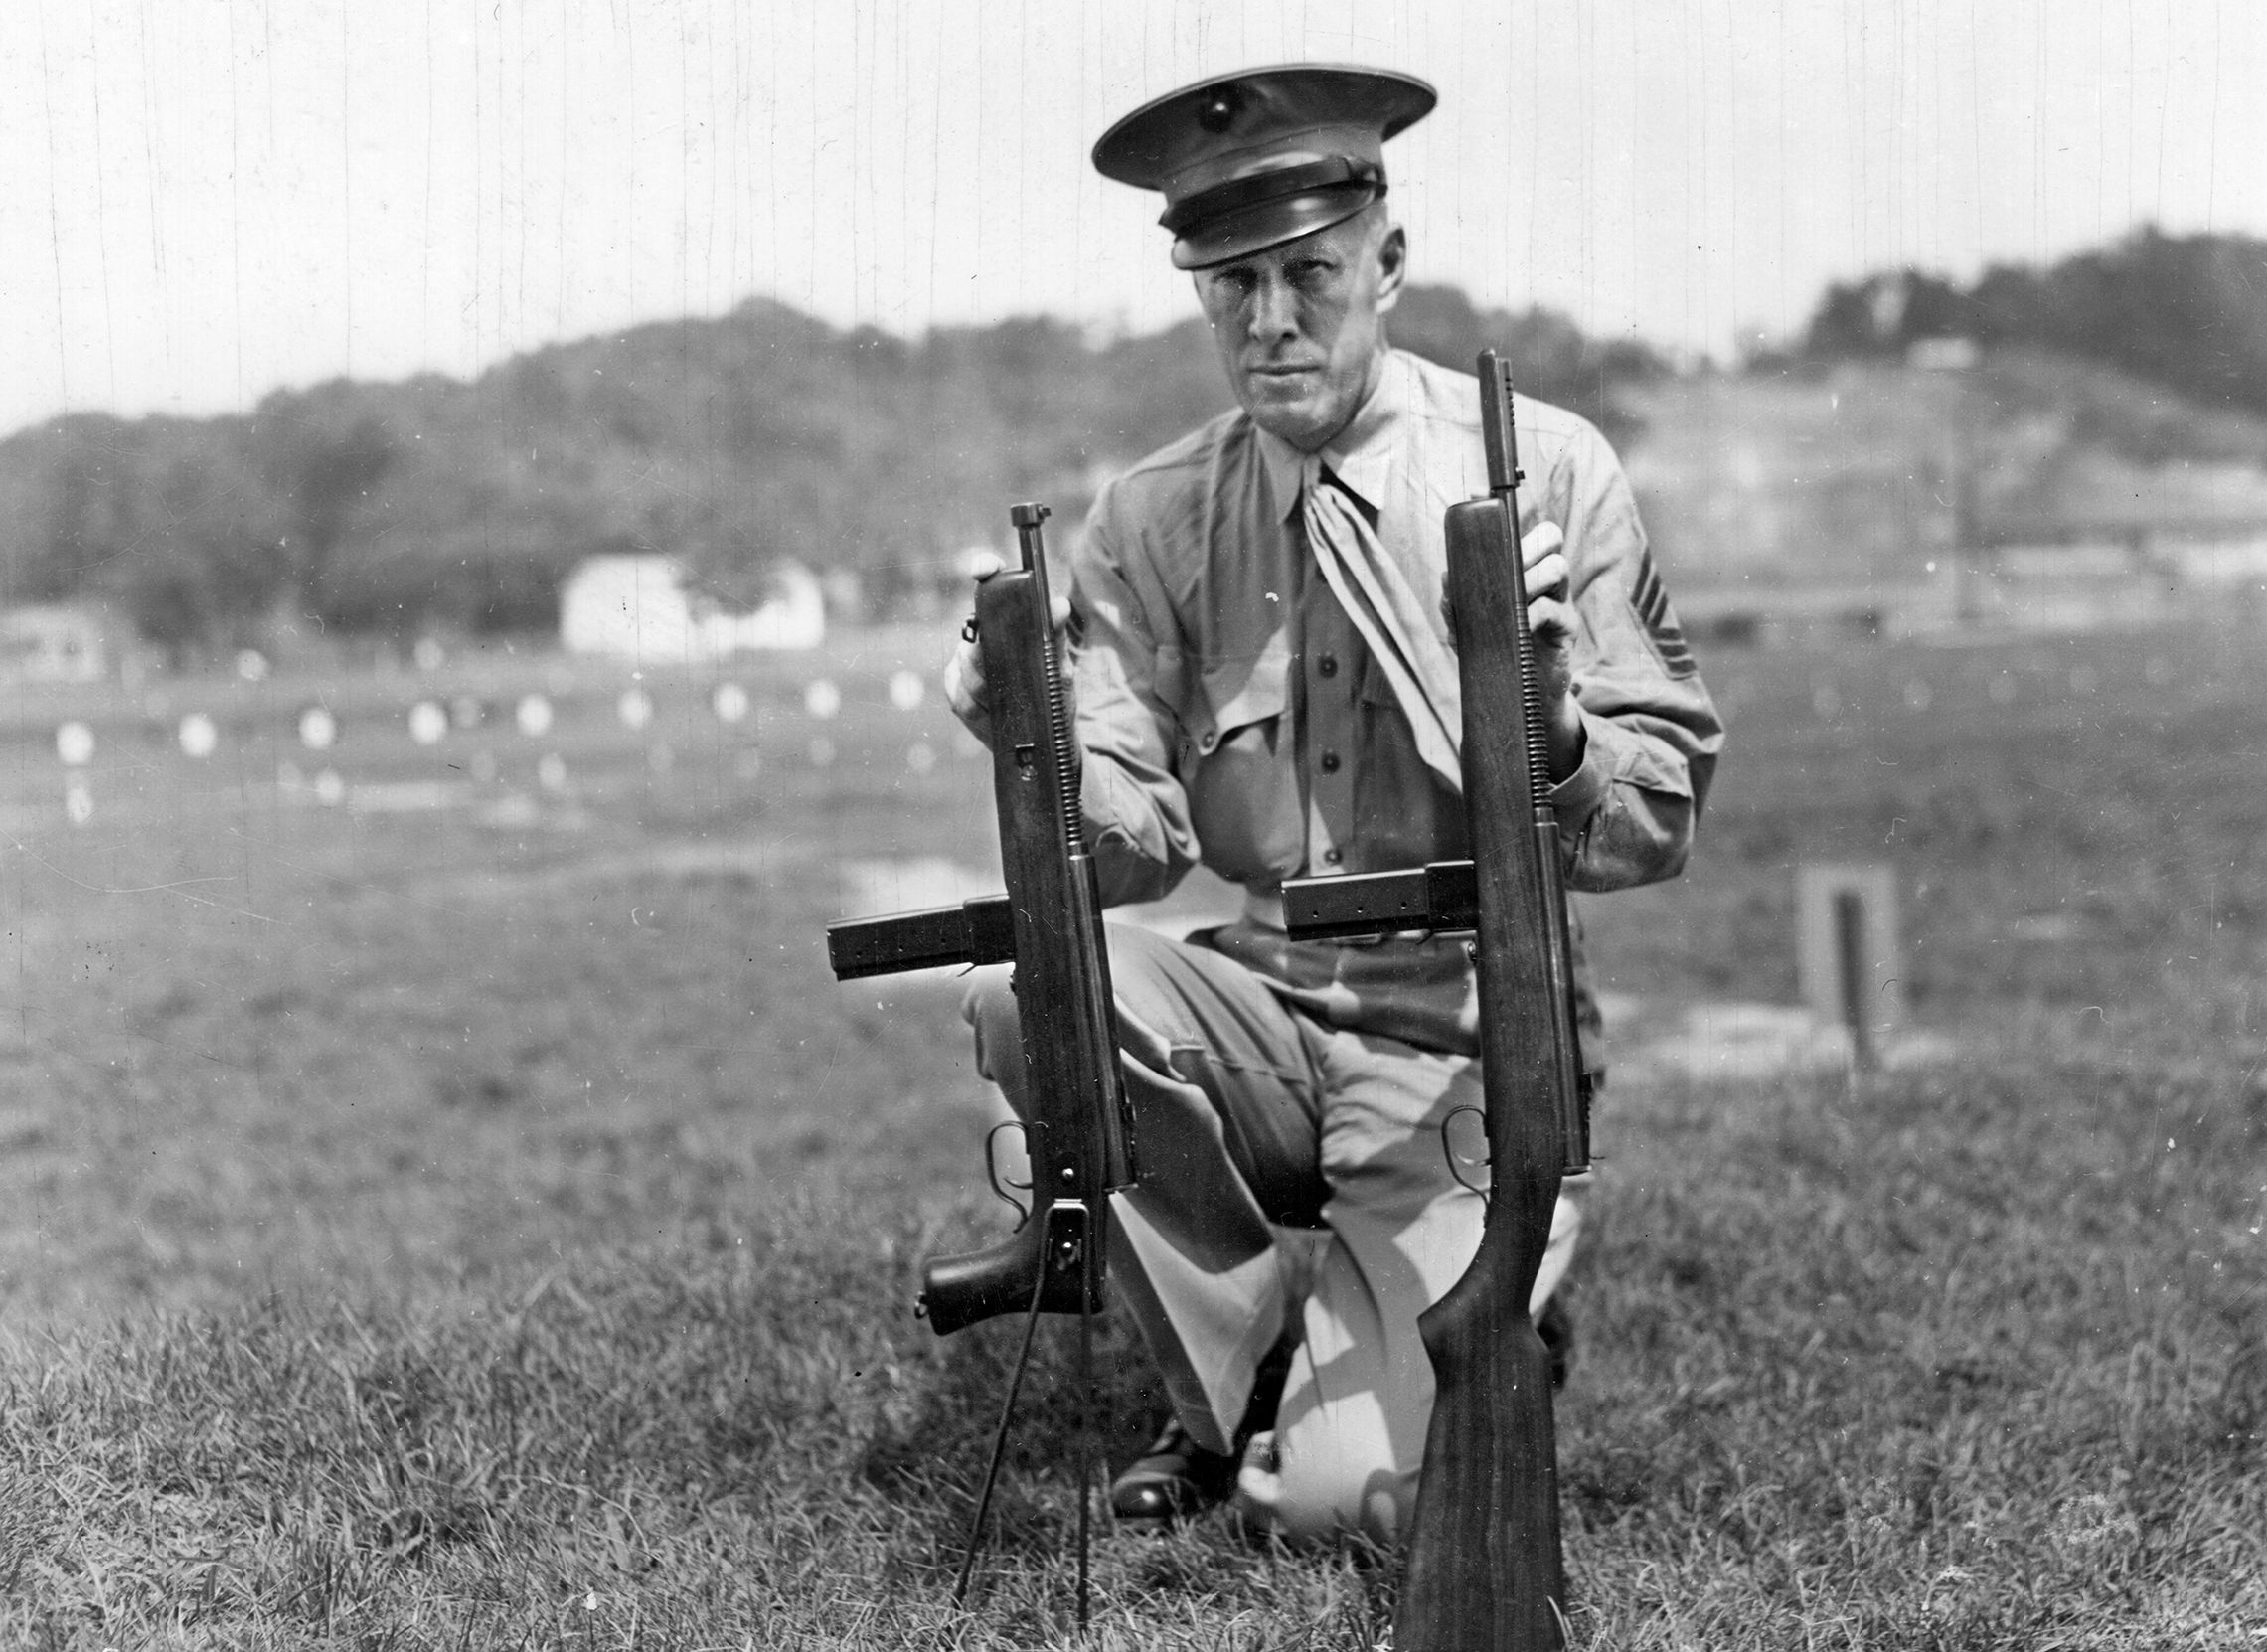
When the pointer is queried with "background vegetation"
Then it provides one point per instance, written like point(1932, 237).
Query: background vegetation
point(394, 510)
point(732, 443)
point(2188, 312)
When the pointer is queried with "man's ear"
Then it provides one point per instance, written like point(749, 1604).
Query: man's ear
point(1392, 265)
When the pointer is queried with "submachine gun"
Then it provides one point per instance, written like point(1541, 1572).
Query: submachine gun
point(1485, 1569)
point(1080, 1133)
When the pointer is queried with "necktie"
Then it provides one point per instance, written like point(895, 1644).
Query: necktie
point(1377, 595)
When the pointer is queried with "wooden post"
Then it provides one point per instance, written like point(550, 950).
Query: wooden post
point(1850, 958)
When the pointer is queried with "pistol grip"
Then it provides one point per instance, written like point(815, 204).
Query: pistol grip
point(976, 1285)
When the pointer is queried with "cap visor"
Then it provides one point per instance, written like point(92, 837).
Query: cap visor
point(1256, 229)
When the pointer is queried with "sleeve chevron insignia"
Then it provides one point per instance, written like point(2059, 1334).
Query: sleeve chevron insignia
point(1651, 600)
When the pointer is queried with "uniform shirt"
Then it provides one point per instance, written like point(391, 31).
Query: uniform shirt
point(1230, 713)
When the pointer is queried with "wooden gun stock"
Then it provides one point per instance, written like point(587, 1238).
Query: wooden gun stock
point(1484, 1560)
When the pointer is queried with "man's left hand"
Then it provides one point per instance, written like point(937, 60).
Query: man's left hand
point(1552, 622)
point(964, 689)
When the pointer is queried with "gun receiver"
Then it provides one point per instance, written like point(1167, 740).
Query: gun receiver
point(1484, 1565)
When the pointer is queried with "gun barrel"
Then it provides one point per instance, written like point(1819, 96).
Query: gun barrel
point(1497, 432)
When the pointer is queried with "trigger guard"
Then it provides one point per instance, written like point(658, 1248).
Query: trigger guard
point(999, 1183)
point(1448, 1152)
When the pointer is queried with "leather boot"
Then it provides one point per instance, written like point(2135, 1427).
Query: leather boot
point(1555, 1325)
point(1173, 1480)
point(1177, 1478)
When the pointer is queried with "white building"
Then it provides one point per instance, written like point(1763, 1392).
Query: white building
point(646, 610)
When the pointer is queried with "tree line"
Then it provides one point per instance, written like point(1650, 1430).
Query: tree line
point(733, 442)
point(2188, 312)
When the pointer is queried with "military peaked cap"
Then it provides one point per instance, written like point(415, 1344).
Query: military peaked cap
point(1253, 159)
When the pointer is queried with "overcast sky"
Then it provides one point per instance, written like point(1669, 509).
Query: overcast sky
point(201, 199)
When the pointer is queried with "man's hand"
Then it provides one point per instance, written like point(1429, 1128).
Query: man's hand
point(964, 673)
point(1550, 622)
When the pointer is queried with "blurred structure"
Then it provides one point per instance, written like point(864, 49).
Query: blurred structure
point(52, 643)
point(1849, 953)
point(647, 609)
point(1948, 488)
point(2119, 541)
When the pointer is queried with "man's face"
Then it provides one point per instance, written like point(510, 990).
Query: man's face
point(1300, 327)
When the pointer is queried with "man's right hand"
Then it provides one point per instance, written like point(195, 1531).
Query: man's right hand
point(964, 672)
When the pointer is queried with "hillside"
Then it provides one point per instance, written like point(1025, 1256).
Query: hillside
point(730, 442)
point(1848, 474)
point(2188, 312)
point(733, 442)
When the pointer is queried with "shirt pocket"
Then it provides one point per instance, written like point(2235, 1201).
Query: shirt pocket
point(1240, 698)
point(1238, 768)
point(1404, 813)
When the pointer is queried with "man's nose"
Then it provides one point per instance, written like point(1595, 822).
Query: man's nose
point(1274, 312)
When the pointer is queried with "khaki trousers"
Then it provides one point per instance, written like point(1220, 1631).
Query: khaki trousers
point(1293, 1183)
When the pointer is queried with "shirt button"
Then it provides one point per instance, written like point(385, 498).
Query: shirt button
point(1331, 856)
point(1328, 665)
point(1329, 763)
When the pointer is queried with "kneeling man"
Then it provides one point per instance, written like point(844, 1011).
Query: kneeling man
point(1260, 662)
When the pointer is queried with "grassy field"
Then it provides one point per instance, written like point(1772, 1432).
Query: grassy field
point(485, 1225)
